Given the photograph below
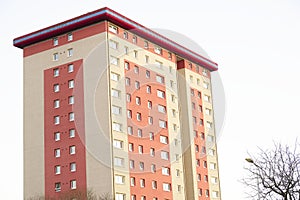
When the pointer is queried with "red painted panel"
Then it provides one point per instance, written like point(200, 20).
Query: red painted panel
point(144, 140)
point(65, 125)
point(78, 34)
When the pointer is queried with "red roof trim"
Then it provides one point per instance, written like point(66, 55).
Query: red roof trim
point(120, 20)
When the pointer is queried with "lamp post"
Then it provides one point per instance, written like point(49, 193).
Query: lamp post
point(251, 161)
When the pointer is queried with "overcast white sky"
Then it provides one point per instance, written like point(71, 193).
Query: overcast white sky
point(255, 42)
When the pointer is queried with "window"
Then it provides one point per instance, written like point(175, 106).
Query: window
point(161, 94)
point(177, 172)
point(132, 181)
point(129, 114)
point(205, 85)
point(179, 188)
point(127, 81)
point(136, 69)
point(200, 108)
point(173, 98)
point(171, 84)
point(174, 127)
point(57, 136)
point(198, 81)
point(129, 130)
point(147, 74)
point(153, 168)
point(141, 150)
point(170, 69)
point(190, 65)
point(70, 52)
point(165, 171)
point(57, 169)
point(204, 72)
point(152, 152)
point(198, 177)
point(142, 183)
point(134, 39)
point(70, 36)
point(71, 116)
point(160, 79)
point(56, 103)
point(212, 166)
point(191, 79)
point(126, 50)
point(174, 112)
point(207, 98)
point(55, 56)
point(73, 184)
point(56, 120)
point(207, 193)
point(150, 104)
point(151, 136)
point(113, 44)
point(202, 135)
point(140, 133)
point(150, 120)
point(209, 124)
point(131, 164)
point(207, 111)
point(164, 155)
point(158, 50)
point(113, 29)
point(125, 35)
point(211, 152)
point(114, 60)
point(146, 44)
point(126, 65)
point(57, 187)
point(115, 93)
point(162, 124)
point(142, 166)
point(56, 72)
point(192, 92)
point(147, 59)
point(138, 116)
point(116, 110)
point(214, 180)
point(194, 120)
point(130, 147)
point(56, 88)
point(163, 139)
point(148, 89)
point(161, 108)
point(57, 153)
point(120, 196)
point(137, 85)
point(72, 133)
point(73, 167)
point(199, 95)
point(118, 161)
point(143, 197)
point(203, 150)
point(71, 100)
point(128, 97)
point(158, 64)
point(167, 187)
point(201, 122)
point(133, 197)
point(210, 138)
point(70, 68)
point(170, 55)
point(154, 184)
point(72, 150)
point(200, 191)
point(215, 194)
point(197, 162)
point(55, 41)
point(197, 148)
point(119, 179)
point(205, 178)
point(138, 100)
point(115, 76)
point(71, 83)
point(116, 127)
point(118, 144)
point(135, 54)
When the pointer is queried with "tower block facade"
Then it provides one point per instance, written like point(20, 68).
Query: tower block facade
point(114, 108)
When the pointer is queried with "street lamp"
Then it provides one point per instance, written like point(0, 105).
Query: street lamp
point(251, 161)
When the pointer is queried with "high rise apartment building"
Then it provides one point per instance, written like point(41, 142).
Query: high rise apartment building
point(114, 107)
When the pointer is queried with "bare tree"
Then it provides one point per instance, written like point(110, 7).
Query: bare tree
point(274, 174)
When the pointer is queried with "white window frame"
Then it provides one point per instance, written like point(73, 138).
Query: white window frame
point(164, 155)
point(56, 119)
point(56, 87)
point(70, 52)
point(55, 41)
point(55, 57)
point(71, 116)
point(72, 150)
point(71, 100)
point(113, 29)
point(161, 94)
point(114, 76)
point(73, 167)
point(163, 139)
point(117, 126)
point(116, 110)
point(71, 83)
point(119, 179)
point(57, 153)
point(118, 144)
point(57, 136)
point(70, 68)
point(70, 36)
point(166, 187)
point(57, 169)
point(56, 72)
point(56, 103)
point(119, 162)
point(73, 184)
